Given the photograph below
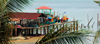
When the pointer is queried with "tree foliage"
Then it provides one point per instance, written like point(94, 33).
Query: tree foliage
point(7, 6)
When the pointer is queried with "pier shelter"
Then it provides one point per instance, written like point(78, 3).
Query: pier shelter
point(44, 10)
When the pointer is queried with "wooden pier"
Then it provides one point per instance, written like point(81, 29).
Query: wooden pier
point(70, 26)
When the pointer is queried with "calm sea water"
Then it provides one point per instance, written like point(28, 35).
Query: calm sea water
point(73, 8)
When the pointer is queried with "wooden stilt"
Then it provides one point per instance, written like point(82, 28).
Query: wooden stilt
point(16, 32)
point(32, 31)
point(44, 31)
point(41, 30)
point(29, 31)
point(36, 31)
point(11, 31)
point(47, 29)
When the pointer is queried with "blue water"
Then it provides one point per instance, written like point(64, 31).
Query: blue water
point(73, 8)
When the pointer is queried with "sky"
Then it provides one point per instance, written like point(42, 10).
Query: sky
point(73, 8)
point(63, 5)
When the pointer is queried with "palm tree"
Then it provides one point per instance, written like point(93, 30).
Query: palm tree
point(7, 6)
point(60, 37)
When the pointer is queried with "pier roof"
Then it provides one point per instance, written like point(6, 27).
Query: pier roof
point(44, 7)
point(27, 15)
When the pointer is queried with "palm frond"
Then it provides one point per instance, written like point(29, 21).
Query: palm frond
point(7, 6)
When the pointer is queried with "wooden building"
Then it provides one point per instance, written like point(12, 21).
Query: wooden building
point(34, 17)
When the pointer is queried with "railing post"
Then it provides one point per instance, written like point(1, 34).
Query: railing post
point(77, 26)
point(74, 25)
point(44, 31)
point(63, 26)
point(57, 27)
point(66, 29)
point(71, 27)
point(53, 27)
point(81, 26)
point(47, 29)
point(60, 26)
point(41, 30)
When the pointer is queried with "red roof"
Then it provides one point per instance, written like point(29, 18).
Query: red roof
point(44, 7)
point(26, 15)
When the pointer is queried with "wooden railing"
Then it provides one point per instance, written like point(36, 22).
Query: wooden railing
point(29, 31)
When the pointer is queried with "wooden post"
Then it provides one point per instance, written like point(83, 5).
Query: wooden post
point(39, 21)
point(71, 27)
point(44, 31)
point(16, 32)
point(77, 26)
point(66, 29)
point(41, 30)
point(25, 31)
point(74, 26)
point(97, 17)
point(47, 29)
point(11, 31)
point(32, 31)
point(36, 31)
point(53, 27)
point(57, 27)
point(60, 26)
point(63, 26)
point(81, 26)
point(29, 31)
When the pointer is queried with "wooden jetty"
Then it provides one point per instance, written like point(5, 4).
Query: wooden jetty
point(72, 26)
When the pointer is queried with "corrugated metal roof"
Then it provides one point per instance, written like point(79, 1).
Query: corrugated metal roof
point(26, 15)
